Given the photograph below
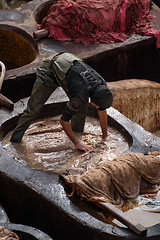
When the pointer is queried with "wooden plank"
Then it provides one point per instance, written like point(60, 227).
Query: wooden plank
point(40, 34)
point(2, 74)
point(6, 102)
point(3, 100)
point(122, 217)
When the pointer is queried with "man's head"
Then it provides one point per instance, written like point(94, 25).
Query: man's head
point(102, 97)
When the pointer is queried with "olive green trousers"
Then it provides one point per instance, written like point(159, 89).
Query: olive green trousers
point(39, 96)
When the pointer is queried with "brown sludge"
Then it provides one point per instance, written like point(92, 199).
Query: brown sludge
point(6, 234)
point(46, 147)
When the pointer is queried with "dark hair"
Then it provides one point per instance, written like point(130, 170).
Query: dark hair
point(102, 97)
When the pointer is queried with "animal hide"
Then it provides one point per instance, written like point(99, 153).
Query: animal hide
point(121, 178)
point(92, 21)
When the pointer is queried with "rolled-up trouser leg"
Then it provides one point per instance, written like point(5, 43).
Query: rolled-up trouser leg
point(78, 120)
point(39, 96)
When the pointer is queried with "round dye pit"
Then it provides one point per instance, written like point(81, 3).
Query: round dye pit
point(41, 11)
point(17, 47)
point(46, 147)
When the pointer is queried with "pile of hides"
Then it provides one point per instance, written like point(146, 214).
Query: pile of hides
point(92, 21)
point(119, 179)
point(6, 234)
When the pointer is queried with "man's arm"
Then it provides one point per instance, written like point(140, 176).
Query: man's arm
point(103, 122)
point(68, 130)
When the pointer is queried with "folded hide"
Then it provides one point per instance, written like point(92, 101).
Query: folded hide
point(91, 21)
point(121, 178)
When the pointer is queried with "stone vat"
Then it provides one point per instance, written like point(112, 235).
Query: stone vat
point(18, 48)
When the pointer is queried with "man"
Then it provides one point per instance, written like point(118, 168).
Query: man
point(80, 82)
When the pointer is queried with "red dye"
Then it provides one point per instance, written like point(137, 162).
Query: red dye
point(93, 21)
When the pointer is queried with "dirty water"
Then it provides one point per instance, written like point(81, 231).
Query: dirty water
point(46, 147)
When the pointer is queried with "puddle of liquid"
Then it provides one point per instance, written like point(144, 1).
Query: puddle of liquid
point(46, 147)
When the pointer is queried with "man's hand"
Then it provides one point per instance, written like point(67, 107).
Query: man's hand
point(83, 147)
point(68, 130)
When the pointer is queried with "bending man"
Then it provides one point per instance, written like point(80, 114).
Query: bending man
point(80, 82)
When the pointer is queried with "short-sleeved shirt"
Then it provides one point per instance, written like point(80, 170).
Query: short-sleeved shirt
point(53, 74)
point(65, 71)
